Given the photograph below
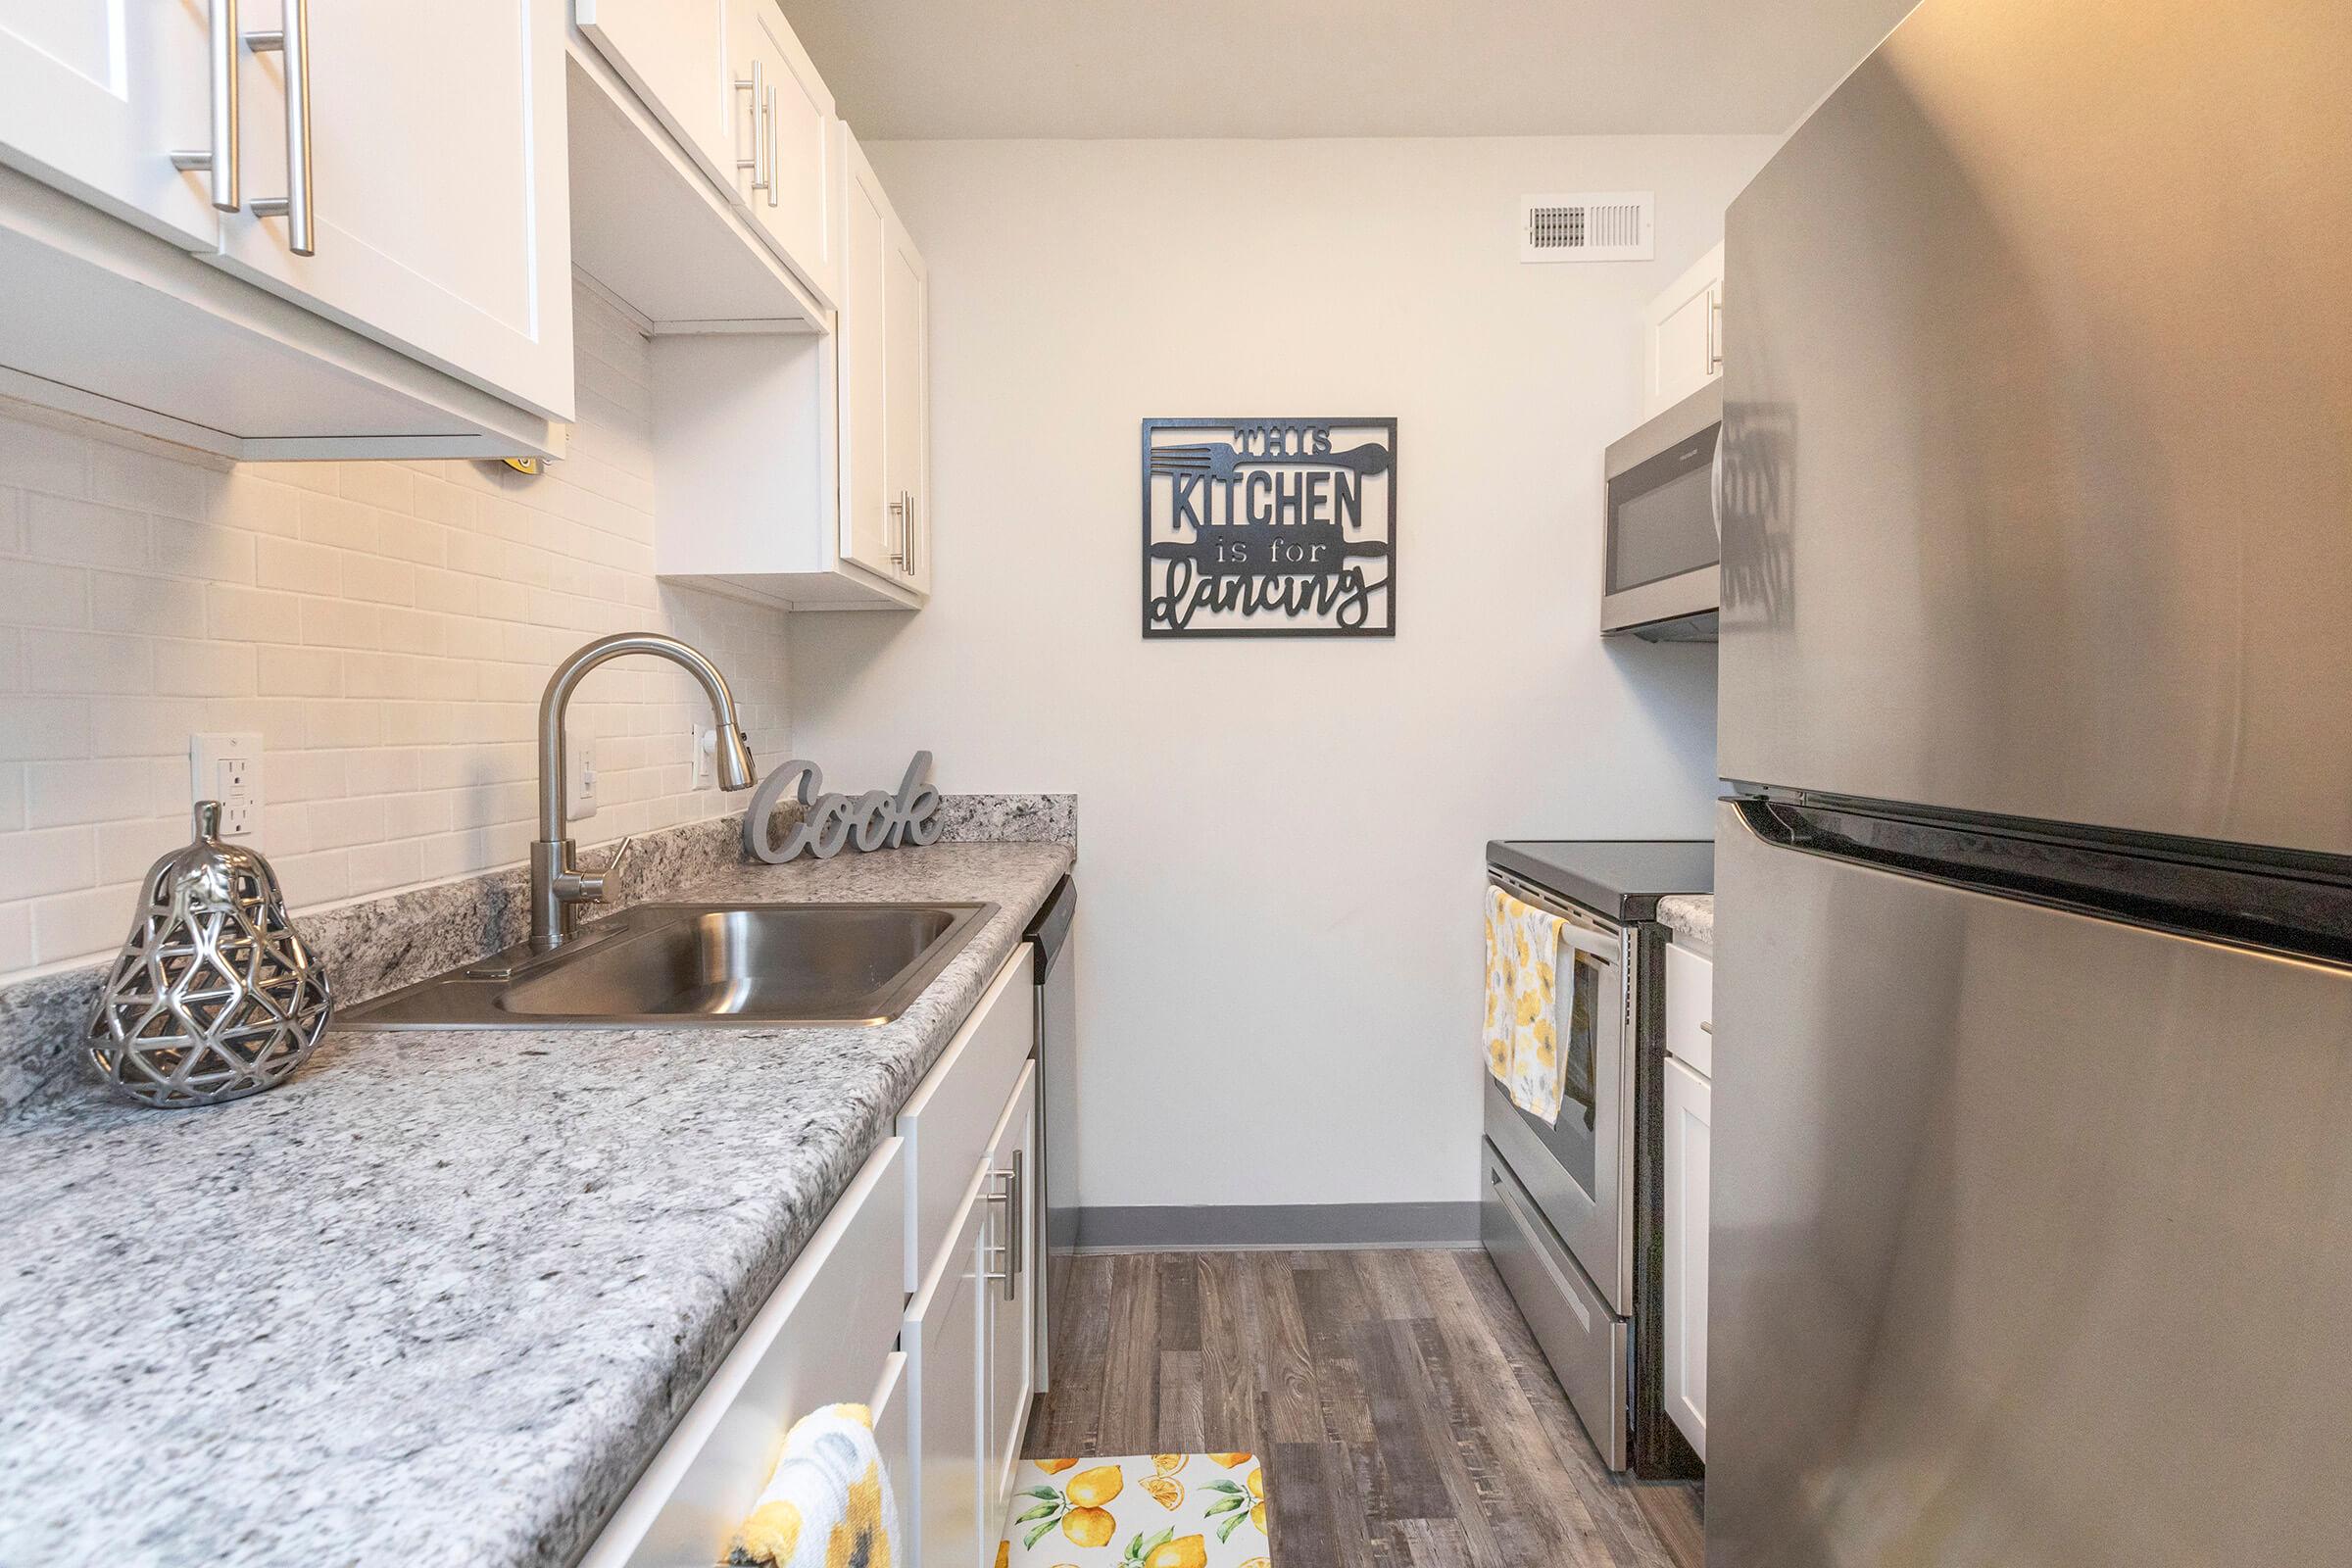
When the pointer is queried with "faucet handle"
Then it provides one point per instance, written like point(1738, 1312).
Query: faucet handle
point(593, 886)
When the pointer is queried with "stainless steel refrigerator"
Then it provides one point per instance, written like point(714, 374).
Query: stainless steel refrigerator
point(2032, 1110)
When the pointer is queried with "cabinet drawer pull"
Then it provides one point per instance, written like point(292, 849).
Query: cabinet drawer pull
point(293, 40)
point(768, 113)
point(220, 160)
point(763, 105)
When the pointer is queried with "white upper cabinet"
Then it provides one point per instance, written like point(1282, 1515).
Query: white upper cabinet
point(784, 138)
point(1683, 334)
point(795, 471)
point(274, 230)
point(672, 54)
point(95, 99)
point(417, 149)
point(885, 384)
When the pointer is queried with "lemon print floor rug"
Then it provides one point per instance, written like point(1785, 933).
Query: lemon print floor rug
point(1147, 1510)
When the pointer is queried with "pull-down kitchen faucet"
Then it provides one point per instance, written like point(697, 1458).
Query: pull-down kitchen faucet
point(557, 884)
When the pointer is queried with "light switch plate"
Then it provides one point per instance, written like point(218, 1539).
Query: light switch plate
point(228, 768)
point(702, 744)
point(579, 777)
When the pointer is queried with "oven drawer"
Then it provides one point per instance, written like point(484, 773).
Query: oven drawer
point(1599, 1239)
point(1581, 1338)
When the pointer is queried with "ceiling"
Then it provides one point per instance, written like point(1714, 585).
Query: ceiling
point(1087, 69)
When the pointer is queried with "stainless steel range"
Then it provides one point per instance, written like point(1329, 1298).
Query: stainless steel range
point(1570, 1210)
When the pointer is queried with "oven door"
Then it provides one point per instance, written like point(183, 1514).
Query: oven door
point(1579, 1169)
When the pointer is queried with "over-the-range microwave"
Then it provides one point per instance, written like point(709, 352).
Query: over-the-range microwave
point(1663, 568)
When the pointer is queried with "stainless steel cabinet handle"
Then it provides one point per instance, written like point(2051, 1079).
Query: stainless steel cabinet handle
point(1715, 330)
point(1010, 1194)
point(1018, 1210)
point(897, 511)
point(293, 40)
point(220, 159)
point(763, 176)
point(907, 526)
point(768, 110)
point(1708, 1029)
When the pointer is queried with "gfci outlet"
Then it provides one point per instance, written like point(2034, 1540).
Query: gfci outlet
point(579, 777)
point(702, 744)
point(228, 768)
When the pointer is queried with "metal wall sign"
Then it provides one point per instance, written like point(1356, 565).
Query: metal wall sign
point(1269, 528)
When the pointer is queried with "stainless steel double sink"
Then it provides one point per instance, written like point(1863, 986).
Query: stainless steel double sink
point(702, 964)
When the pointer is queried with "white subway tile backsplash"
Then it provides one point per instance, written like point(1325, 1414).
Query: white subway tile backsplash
point(94, 662)
point(167, 606)
point(15, 936)
point(300, 566)
point(385, 627)
point(38, 457)
point(188, 669)
point(62, 794)
point(35, 593)
point(146, 481)
point(50, 860)
point(82, 925)
point(58, 528)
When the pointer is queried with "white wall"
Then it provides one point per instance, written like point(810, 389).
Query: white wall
point(1280, 842)
point(387, 627)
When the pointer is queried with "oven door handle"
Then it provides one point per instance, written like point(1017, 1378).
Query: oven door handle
point(1576, 930)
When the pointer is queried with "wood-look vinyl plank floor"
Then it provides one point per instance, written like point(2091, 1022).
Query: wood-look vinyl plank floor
point(1405, 1415)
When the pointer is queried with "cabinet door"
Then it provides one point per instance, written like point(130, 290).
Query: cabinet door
point(781, 122)
point(868, 523)
point(1686, 336)
point(1013, 1287)
point(95, 99)
point(906, 437)
point(1688, 1139)
point(944, 1330)
point(673, 54)
point(437, 189)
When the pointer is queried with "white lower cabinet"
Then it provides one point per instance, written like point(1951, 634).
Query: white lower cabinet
point(945, 1506)
point(1688, 1135)
point(948, 1369)
point(828, 1336)
point(1014, 1263)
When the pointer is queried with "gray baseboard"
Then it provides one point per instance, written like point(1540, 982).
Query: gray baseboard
point(1277, 1226)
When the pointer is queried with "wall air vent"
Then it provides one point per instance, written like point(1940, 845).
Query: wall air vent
point(1611, 227)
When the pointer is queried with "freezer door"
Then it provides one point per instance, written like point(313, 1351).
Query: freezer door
point(2032, 1239)
point(2037, 452)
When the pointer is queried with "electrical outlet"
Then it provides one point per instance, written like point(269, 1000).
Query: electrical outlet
point(702, 744)
point(579, 777)
point(228, 768)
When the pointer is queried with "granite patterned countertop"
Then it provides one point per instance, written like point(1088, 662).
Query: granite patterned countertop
point(1692, 916)
point(439, 1299)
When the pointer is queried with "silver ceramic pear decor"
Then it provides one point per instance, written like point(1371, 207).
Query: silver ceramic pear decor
point(214, 995)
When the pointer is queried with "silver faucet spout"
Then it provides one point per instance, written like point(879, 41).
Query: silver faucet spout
point(558, 885)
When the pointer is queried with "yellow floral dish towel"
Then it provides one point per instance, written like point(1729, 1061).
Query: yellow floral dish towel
point(830, 1504)
point(1147, 1510)
point(1522, 1040)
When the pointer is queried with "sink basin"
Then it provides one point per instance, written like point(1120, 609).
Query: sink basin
point(700, 964)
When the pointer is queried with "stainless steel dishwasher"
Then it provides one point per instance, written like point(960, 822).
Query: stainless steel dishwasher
point(1057, 1053)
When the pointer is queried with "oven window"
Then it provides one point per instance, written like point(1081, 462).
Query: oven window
point(1583, 993)
point(1662, 516)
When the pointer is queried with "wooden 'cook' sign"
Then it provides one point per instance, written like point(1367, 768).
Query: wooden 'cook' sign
point(1270, 527)
point(874, 820)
